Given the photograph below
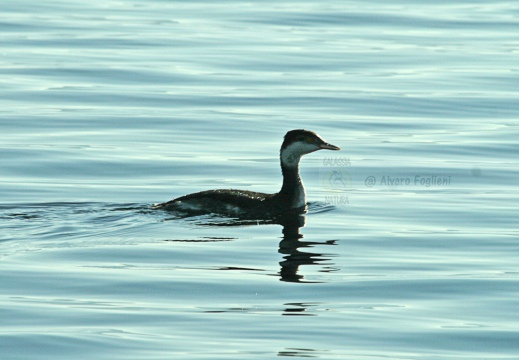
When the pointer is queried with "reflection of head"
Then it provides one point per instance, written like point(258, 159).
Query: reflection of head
point(290, 246)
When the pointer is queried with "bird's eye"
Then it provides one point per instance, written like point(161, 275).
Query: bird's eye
point(310, 140)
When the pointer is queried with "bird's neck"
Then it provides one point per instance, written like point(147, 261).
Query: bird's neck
point(293, 190)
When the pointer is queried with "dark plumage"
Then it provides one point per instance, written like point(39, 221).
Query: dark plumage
point(243, 203)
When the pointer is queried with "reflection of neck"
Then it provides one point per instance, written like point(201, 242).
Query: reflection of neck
point(291, 223)
point(289, 247)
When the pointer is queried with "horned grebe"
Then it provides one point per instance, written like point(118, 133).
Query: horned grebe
point(249, 203)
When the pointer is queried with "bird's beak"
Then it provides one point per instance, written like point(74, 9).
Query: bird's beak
point(328, 146)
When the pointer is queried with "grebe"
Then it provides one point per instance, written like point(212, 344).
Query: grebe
point(241, 203)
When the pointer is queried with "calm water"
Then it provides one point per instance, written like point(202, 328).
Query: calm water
point(410, 246)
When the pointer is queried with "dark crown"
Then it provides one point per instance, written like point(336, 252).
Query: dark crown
point(299, 135)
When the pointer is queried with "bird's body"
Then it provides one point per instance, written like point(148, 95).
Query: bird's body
point(242, 203)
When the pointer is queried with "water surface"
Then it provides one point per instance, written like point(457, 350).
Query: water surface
point(409, 248)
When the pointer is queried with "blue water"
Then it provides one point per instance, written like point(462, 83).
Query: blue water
point(409, 248)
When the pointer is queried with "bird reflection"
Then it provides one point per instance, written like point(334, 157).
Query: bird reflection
point(295, 250)
point(291, 245)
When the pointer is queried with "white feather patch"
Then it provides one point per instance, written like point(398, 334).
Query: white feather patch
point(291, 155)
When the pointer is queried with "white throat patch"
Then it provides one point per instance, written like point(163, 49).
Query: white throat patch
point(291, 155)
